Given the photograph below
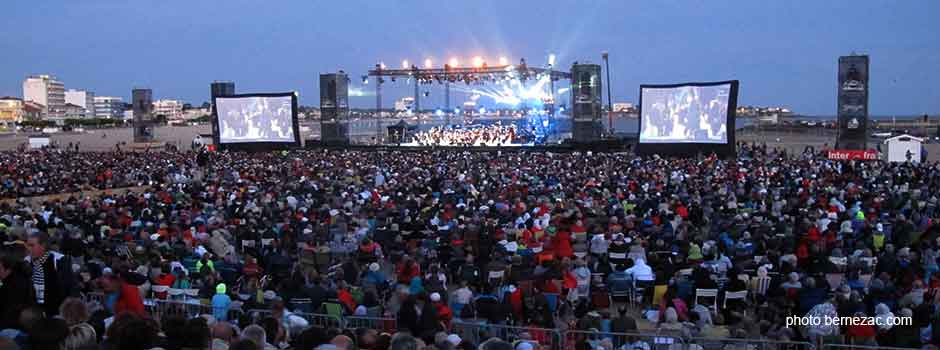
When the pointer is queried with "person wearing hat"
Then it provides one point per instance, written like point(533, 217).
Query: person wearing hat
point(375, 278)
point(444, 313)
point(221, 302)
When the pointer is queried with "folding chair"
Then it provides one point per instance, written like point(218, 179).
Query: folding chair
point(742, 295)
point(707, 293)
point(496, 275)
point(334, 309)
point(759, 286)
point(191, 293)
point(636, 294)
point(175, 293)
point(160, 292)
point(658, 293)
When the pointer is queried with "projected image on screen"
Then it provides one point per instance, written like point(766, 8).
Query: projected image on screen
point(255, 119)
point(685, 114)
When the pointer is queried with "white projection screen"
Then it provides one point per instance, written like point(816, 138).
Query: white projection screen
point(686, 113)
point(256, 118)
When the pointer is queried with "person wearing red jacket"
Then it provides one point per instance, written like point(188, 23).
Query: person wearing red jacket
point(121, 296)
point(407, 270)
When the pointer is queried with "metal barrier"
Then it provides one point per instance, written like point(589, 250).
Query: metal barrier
point(547, 339)
point(653, 340)
point(318, 320)
point(322, 320)
point(190, 308)
point(859, 347)
point(745, 344)
point(378, 323)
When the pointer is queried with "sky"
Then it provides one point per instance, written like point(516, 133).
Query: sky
point(784, 53)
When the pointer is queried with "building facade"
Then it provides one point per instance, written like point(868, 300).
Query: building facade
point(171, 109)
point(84, 99)
point(47, 91)
point(109, 107)
point(73, 111)
point(11, 111)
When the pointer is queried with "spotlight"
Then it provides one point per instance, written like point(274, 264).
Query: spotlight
point(404, 64)
point(453, 62)
point(551, 59)
point(503, 61)
point(478, 62)
point(427, 63)
point(365, 79)
point(382, 65)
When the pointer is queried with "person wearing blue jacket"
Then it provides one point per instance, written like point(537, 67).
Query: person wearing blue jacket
point(220, 303)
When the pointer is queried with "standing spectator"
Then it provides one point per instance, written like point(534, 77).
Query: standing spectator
point(121, 297)
point(220, 303)
point(52, 273)
point(16, 291)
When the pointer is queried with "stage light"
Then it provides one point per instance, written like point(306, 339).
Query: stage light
point(439, 112)
point(561, 109)
point(453, 62)
point(456, 110)
point(427, 63)
point(365, 79)
point(404, 64)
point(482, 110)
point(551, 59)
point(503, 61)
point(478, 61)
point(382, 65)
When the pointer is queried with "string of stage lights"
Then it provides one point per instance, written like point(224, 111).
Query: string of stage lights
point(480, 72)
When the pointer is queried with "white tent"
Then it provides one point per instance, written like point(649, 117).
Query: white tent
point(38, 141)
point(899, 146)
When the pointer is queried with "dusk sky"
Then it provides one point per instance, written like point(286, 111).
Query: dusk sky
point(783, 52)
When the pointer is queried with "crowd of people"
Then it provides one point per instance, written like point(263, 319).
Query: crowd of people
point(486, 135)
point(439, 240)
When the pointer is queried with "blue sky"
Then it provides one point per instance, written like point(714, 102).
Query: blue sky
point(783, 52)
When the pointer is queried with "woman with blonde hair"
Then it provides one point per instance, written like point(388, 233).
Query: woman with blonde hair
point(81, 334)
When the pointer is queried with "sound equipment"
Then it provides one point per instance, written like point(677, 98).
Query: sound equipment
point(586, 102)
point(853, 103)
point(334, 108)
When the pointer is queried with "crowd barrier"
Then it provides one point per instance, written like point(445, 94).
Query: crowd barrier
point(188, 308)
point(381, 324)
point(859, 347)
point(652, 341)
point(476, 333)
point(745, 344)
point(313, 319)
point(547, 339)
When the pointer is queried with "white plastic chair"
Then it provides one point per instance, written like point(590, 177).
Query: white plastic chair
point(192, 293)
point(742, 295)
point(707, 293)
point(159, 289)
point(175, 293)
